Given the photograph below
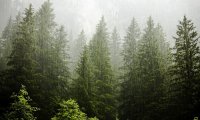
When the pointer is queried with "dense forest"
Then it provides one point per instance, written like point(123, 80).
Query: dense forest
point(46, 76)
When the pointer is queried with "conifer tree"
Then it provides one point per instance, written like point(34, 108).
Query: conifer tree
point(150, 74)
point(6, 81)
point(83, 84)
point(184, 87)
point(105, 103)
point(21, 62)
point(52, 59)
point(45, 26)
point(60, 64)
point(128, 94)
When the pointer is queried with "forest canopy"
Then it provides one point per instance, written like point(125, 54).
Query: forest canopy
point(45, 74)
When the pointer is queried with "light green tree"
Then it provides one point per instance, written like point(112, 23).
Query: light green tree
point(21, 108)
point(69, 110)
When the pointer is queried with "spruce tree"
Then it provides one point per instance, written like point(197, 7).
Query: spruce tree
point(21, 63)
point(150, 74)
point(60, 64)
point(45, 26)
point(105, 103)
point(129, 87)
point(184, 85)
point(52, 59)
point(7, 83)
point(83, 84)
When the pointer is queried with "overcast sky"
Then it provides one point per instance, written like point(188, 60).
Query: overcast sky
point(76, 15)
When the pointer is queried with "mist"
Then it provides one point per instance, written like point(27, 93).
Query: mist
point(76, 15)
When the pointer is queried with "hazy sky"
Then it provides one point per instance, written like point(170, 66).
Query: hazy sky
point(76, 15)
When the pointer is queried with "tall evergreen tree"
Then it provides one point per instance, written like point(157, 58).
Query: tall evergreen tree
point(21, 62)
point(45, 26)
point(60, 67)
point(6, 82)
point(184, 85)
point(83, 84)
point(104, 92)
point(127, 108)
point(150, 74)
point(52, 58)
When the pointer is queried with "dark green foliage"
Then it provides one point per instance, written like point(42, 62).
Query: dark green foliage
point(184, 85)
point(52, 59)
point(21, 109)
point(21, 63)
point(130, 79)
point(104, 100)
point(84, 83)
point(150, 72)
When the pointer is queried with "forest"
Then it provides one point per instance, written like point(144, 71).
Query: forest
point(46, 76)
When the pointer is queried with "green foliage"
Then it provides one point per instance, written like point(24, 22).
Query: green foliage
point(155, 82)
point(184, 83)
point(21, 108)
point(69, 110)
point(21, 63)
point(130, 81)
point(83, 85)
point(104, 99)
point(52, 58)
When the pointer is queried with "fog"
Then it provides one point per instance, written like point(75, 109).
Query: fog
point(76, 15)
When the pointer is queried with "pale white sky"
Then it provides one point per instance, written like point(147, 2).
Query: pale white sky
point(76, 15)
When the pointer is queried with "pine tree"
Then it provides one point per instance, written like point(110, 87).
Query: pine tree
point(83, 84)
point(127, 108)
point(45, 26)
point(150, 74)
point(21, 108)
point(104, 92)
point(21, 60)
point(6, 81)
point(184, 87)
point(60, 66)
point(52, 59)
